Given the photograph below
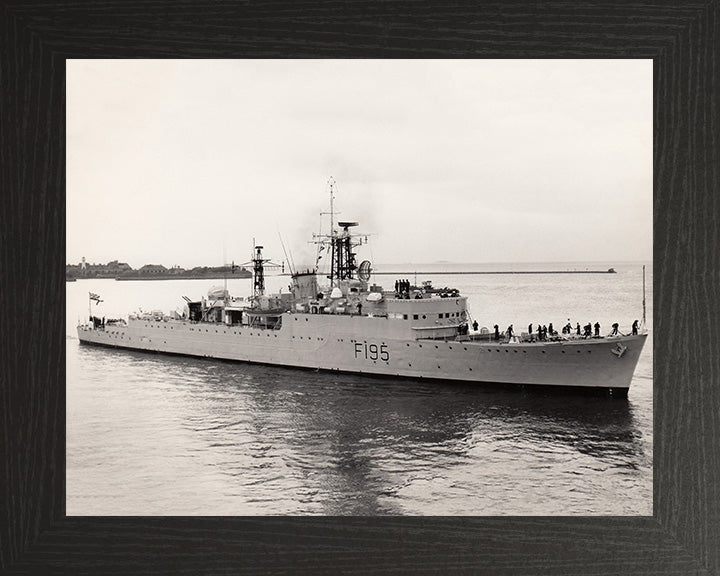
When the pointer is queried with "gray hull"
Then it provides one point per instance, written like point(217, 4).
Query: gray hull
point(371, 345)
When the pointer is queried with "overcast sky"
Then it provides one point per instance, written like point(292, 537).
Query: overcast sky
point(184, 162)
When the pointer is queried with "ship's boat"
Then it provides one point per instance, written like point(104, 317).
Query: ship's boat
point(353, 326)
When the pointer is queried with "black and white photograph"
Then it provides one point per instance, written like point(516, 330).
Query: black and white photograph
point(359, 287)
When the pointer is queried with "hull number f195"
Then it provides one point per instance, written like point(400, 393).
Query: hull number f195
point(372, 351)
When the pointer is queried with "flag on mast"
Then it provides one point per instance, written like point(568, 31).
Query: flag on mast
point(95, 297)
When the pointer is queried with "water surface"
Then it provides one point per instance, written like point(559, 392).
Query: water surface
point(150, 434)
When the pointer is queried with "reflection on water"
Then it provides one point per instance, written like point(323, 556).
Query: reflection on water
point(175, 435)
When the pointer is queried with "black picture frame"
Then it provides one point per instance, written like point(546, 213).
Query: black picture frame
point(683, 535)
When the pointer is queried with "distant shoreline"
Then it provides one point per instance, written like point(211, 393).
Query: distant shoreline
point(184, 277)
point(402, 273)
point(153, 278)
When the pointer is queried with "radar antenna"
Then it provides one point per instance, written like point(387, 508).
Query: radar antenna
point(365, 270)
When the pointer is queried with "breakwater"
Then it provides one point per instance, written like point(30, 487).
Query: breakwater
point(427, 273)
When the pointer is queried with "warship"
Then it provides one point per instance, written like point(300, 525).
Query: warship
point(342, 322)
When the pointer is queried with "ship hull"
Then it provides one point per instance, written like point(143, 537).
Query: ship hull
point(373, 346)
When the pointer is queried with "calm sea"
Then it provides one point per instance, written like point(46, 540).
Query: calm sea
point(166, 435)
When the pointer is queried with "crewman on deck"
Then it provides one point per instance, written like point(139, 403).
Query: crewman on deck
point(635, 328)
point(614, 329)
point(497, 332)
point(597, 329)
point(510, 332)
point(475, 325)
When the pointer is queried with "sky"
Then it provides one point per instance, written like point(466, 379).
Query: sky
point(185, 162)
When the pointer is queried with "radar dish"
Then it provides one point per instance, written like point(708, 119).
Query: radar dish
point(364, 270)
point(347, 224)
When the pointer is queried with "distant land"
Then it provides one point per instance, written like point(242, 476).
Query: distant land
point(122, 271)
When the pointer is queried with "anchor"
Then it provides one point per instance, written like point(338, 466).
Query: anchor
point(619, 350)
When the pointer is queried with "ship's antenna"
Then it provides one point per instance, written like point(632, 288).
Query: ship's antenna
point(643, 295)
point(224, 271)
point(290, 261)
point(332, 234)
point(319, 245)
point(331, 181)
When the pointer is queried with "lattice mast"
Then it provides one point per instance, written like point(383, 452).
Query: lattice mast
point(343, 263)
point(258, 265)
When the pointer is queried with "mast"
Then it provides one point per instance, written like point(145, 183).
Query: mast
point(343, 254)
point(331, 182)
point(343, 264)
point(258, 272)
point(259, 264)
